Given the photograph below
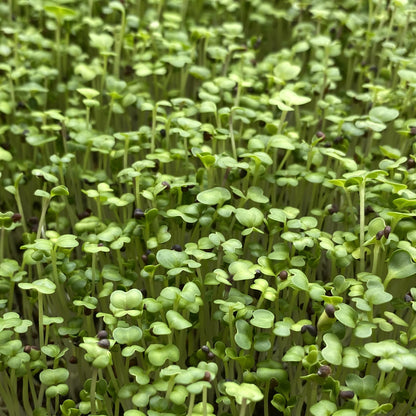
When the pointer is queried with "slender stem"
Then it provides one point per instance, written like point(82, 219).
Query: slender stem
point(126, 153)
point(282, 122)
point(99, 210)
point(40, 312)
point(113, 378)
point(266, 397)
point(92, 389)
point(6, 395)
point(184, 77)
point(376, 257)
point(13, 382)
point(20, 209)
point(110, 112)
point(58, 47)
point(119, 44)
point(25, 393)
point(56, 404)
point(369, 24)
point(230, 325)
point(31, 383)
point(380, 383)
point(2, 236)
point(87, 118)
point(93, 268)
point(152, 143)
point(243, 407)
point(48, 405)
point(362, 225)
point(87, 154)
point(45, 204)
point(104, 74)
point(204, 401)
point(230, 123)
point(191, 405)
point(41, 394)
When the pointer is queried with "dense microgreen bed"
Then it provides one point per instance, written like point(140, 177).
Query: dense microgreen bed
point(207, 207)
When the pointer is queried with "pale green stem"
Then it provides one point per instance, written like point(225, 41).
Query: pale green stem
point(40, 312)
point(266, 397)
point(230, 122)
point(12, 94)
point(48, 405)
point(281, 122)
point(58, 47)
point(45, 204)
point(204, 401)
point(380, 383)
point(100, 215)
point(20, 209)
point(11, 296)
point(25, 393)
point(92, 389)
point(126, 153)
point(110, 112)
point(2, 236)
point(375, 257)
point(93, 268)
point(137, 190)
point(191, 405)
point(153, 144)
point(104, 74)
point(41, 394)
point(87, 117)
point(362, 225)
point(113, 378)
point(86, 156)
point(119, 45)
point(243, 407)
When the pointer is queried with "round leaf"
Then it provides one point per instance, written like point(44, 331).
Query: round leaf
point(176, 320)
point(243, 336)
point(158, 354)
point(214, 196)
point(55, 376)
point(60, 389)
point(126, 300)
point(346, 315)
point(400, 266)
point(323, 408)
point(44, 286)
point(171, 259)
point(67, 241)
point(128, 335)
point(262, 318)
point(247, 391)
point(252, 217)
point(291, 98)
point(383, 114)
point(332, 351)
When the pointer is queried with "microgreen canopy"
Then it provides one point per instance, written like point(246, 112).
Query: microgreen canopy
point(207, 208)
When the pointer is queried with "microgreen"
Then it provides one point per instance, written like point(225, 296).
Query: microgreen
point(207, 208)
